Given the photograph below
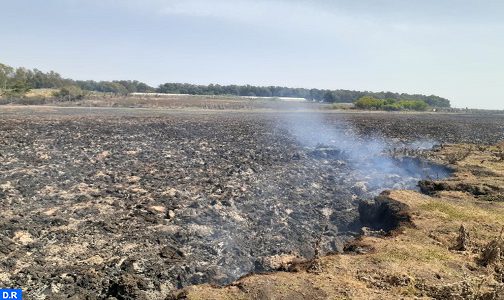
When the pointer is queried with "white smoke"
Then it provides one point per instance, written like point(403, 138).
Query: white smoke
point(368, 155)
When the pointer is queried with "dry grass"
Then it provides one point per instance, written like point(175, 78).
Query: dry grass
point(41, 93)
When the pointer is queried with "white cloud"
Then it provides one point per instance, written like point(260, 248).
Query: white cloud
point(337, 18)
point(295, 15)
point(468, 11)
point(333, 19)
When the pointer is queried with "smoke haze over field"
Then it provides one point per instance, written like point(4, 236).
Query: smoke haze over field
point(448, 48)
point(367, 156)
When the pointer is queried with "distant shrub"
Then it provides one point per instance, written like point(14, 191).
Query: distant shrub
point(371, 103)
point(368, 102)
point(391, 107)
point(70, 93)
point(413, 105)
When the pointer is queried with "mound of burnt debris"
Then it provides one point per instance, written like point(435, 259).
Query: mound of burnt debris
point(134, 207)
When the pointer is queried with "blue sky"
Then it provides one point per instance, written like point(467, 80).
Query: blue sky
point(451, 48)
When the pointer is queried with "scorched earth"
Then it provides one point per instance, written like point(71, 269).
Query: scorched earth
point(138, 203)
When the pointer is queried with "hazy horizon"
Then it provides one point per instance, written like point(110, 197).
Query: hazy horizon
point(450, 49)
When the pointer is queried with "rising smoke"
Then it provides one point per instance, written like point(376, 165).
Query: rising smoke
point(368, 155)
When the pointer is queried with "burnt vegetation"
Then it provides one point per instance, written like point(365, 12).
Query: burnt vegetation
point(123, 204)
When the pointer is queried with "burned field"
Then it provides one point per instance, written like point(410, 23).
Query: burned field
point(125, 203)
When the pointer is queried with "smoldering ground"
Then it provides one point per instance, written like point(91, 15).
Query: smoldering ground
point(368, 156)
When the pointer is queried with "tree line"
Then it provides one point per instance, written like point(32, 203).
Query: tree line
point(321, 95)
point(15, 81)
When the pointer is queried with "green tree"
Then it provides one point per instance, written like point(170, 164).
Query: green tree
point(6, 73)
point(329, 97)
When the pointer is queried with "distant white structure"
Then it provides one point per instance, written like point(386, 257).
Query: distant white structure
point(289, 99)
point(275, 98)
point(158, 94)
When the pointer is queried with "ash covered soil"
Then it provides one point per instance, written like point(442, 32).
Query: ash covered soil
point(137, 203)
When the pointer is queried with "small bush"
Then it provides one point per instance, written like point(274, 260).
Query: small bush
point(391, 107)
point(368, 102)
point(371, 103)
point(70, 93)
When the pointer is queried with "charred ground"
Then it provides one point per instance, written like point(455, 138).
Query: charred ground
point(137, 203)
